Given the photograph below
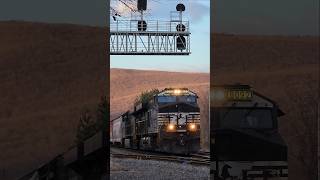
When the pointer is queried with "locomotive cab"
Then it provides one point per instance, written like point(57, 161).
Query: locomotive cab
point(169, 122)
point(178, 109)
point(244, 127)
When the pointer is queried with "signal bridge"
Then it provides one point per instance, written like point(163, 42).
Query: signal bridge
point(160, 38)
point(147, 37)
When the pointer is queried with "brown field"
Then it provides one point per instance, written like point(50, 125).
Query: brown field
point(49, 72)
point(126, 85)
point(286, 69)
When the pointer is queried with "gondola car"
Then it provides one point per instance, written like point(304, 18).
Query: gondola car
point(169, 122)
point(245, 142)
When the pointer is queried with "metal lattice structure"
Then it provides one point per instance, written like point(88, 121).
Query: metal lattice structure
point(159, 38)
point(146, 37)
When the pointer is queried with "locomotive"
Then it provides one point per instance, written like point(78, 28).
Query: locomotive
point(244, 138)
point(168, 122)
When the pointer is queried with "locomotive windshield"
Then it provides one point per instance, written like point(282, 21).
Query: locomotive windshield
point(189, 99)
point(253, 118)
point(172, 99)
point(167, 99)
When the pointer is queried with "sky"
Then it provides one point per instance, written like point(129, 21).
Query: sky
point(289, 17)
point(198, 13)
point(84, 12)
point(265, 17)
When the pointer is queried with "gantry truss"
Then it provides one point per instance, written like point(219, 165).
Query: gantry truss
point(159, 38)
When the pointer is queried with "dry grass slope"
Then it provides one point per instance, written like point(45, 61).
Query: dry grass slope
point(48, 73)
point(287, 70)
point(127, 84)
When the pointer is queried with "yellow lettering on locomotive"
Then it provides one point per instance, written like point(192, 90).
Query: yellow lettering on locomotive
point(238, 94)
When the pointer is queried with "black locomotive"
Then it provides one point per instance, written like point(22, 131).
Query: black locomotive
point(169, 122)
point(245, 142)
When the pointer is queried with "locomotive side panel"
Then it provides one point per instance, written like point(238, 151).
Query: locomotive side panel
point(117, 131)
point(153, 122)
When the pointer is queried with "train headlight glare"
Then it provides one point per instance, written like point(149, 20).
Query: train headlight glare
point(192, 127)
point(171, 127)
point(177, 91)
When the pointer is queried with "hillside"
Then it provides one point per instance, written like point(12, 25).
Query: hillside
point(126, 85)
point(48, 74)
point(286, 69)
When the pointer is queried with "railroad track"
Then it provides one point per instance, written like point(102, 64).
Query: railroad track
point(194, 159)
point(205, 155)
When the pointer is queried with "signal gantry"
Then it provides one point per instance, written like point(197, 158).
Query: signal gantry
point(139, 36)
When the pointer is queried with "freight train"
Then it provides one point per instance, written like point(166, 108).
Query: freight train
point(168, 122)
point(244, 138)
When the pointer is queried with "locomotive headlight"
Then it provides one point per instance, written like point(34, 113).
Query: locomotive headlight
point(171, 127)
point(177, 91)
point(192, 127)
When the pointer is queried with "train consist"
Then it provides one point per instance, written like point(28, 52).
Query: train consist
point(168, 122)
point(245, 142)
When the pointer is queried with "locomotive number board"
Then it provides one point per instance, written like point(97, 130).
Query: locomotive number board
point(238, 94)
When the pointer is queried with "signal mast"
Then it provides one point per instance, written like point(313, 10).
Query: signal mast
point(149, 37)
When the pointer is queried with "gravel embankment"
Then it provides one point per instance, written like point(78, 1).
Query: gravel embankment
point(125, 169)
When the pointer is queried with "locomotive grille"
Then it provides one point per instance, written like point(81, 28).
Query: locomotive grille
point(183, 118)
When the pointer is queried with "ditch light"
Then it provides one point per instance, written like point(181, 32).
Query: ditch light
point(171, 128)
point(192, 127)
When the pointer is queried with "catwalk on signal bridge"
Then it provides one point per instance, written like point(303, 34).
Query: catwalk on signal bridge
point(151, 37)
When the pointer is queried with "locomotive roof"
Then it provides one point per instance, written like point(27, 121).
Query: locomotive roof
point(120, 116)
point(181, 91)
point(254, 98)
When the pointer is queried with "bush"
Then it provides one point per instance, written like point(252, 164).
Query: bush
point(88, 126)
point(145, 96)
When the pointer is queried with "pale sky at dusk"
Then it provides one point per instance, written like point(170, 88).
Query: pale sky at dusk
point(260, 17)
point(198, 13)
point(266, 17)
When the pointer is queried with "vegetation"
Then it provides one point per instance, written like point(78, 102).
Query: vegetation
point(145, 96)
point(102, 114)
point(305, 129)
point(89, 126)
